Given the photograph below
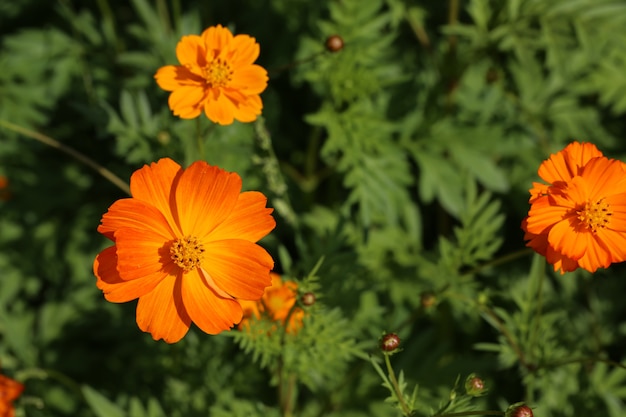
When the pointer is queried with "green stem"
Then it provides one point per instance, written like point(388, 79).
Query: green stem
point(117, 181)
point(396, 387)
point(473, 413)
point(199, 141)
point(275, 179)
point(507, 335)
point(499, 261)
point(276, 70)
point(534, 330)
point(556, 364)
point(42, 373)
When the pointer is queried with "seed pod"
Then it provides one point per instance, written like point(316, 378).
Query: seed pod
point(334, 43)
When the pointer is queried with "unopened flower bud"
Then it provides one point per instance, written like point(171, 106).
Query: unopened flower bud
point(474, 385)
point(308, 299)
point(334, 43)
point(389, 342)
point(518, 410)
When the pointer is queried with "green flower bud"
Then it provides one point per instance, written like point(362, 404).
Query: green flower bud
point(474, 386)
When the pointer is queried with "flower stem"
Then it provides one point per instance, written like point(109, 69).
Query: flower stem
point(396, 387)
point(501, 260)
point(472, 413)
point(117, 181)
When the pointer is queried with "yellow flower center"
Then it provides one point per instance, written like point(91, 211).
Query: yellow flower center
point(595, 215)
point(217, 73)
point(187, 253)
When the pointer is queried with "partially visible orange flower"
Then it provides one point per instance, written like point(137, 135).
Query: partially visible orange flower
point(216, 75)
point(10, 390)
point(579, 218)
point(184, 245)
point(276, 303)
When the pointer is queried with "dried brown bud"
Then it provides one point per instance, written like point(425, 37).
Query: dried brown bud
point(308, 299)
point(334, 43)
point(389, 342)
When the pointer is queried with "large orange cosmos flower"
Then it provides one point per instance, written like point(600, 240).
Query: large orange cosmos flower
point(277, 303)
point(10, 390)
point(579, 218)
point(216, 75)
point(185, 247)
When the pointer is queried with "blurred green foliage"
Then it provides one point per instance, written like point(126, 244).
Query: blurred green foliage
point(399, 168)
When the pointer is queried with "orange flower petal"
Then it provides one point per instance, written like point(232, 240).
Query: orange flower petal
point(614, 242)
point(618, 207)
point(10, 389)
point(565, 240)
point(210, 312)
point(249, 109)
point(596, 255)
point(543, 215)
point(566, 164)
point(186, 101)
point(219, 109)
point(141, 253)
point(161, 312)
point(251, 79)
point(560, 261)
point(215, 39)
point(205, 196)
point(249, 220)
point(243, 50)
point(191, 52)
point(115, 289)
point(604, 177)
point(239, 267)
point(171, 77)
point(134, 214)
point(154, 184)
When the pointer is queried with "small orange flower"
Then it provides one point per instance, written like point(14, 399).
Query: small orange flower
point(10, 390)
point(185, 247)
point(218, 75)
point(277, 302)
point(579, 218)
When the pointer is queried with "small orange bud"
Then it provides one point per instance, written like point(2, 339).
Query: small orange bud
point(519, 410)
point(334, 43)
point(308, 299)
point(389, 342)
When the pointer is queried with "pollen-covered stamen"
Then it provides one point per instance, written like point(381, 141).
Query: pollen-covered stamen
point(187, 253)
point(217, 73)
point(595, 215)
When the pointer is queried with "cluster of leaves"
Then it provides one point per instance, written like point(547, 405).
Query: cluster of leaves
point(402, 160)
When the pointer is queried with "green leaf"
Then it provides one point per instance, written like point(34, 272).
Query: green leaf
point(100, 405)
